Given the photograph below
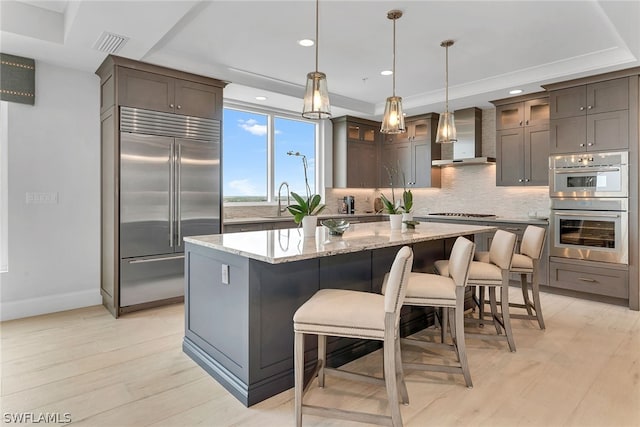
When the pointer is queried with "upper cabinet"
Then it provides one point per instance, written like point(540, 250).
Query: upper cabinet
point(522, 140)
point(355, 152)
point(591, 117)
point(408, 155)
point(157, 92)
point(532, 112)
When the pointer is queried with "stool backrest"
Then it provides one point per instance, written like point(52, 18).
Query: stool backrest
point(397, 281)
point(532, 241)
point(460, 260)
point(502, 248)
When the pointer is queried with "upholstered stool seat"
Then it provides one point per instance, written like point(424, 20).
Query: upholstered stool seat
point(493, 274)
point(447, 293)
point(354, 314)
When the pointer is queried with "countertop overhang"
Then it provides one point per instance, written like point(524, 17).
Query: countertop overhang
point(288, 245)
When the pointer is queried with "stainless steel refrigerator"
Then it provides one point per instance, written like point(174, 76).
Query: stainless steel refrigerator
point(169, 188)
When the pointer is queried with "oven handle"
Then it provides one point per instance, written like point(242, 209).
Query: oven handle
point(588, 214)
point(586, 170)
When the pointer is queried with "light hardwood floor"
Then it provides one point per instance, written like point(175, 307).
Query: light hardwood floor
point(584, 370)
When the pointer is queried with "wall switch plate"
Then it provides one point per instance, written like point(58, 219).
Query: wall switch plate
point(41, 198)
point(225, 274)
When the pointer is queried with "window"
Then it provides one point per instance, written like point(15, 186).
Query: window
point(255, 160)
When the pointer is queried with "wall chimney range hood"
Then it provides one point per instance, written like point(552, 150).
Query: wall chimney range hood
point(466, 151)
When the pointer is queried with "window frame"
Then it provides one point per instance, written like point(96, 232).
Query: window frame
point(272, 114)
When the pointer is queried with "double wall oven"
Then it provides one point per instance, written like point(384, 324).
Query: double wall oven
point(589, 206)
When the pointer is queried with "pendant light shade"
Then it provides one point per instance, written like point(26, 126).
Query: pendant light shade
point(393, 119)
point(316, 96)
point(446, 125)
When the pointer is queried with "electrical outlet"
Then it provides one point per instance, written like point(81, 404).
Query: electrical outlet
point(225, 274)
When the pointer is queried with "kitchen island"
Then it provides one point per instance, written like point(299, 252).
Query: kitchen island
point(242, 289)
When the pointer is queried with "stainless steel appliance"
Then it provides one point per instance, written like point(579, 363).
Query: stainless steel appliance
point(594, 229)
point(589, 175)
point(589, 206)
point(169, 188)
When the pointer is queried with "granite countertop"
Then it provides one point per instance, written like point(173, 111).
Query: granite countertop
point(288, 217)
point(280, 246)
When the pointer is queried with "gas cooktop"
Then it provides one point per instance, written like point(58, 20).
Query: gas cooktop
point(462, 214)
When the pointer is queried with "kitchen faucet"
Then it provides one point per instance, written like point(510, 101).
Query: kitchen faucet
point(280, 209)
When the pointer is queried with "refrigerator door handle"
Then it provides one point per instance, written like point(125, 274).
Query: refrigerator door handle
point(146, 260)
point(172, 179)
point(178, 195)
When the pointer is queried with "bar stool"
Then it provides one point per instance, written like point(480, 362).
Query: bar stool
point(493, 274)
point(353, 314)
point(527, 262)
point(446, 292)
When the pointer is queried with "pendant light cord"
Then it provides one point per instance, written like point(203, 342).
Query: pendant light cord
point(394, 57)
point(317, 42)
point(446, 80)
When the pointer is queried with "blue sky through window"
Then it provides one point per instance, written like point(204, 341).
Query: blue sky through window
point(245, 154)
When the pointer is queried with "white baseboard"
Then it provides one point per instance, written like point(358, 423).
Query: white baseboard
point(49, 304)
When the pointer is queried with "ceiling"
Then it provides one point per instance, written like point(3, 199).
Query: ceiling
point(499, 45)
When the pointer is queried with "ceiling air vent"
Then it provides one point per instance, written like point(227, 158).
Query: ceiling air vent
point(110, 43)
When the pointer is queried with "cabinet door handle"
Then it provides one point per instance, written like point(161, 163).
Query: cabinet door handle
point(179, 107)
point(589, 107)
point(520, 180)
point(527, 122)
point(581, 108)
point(520, 123)
point(587, 279)
point(170, 105)
point(581, 145)
point(526, 180)
point(590, 144)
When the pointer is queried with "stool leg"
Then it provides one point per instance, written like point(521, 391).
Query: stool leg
point(402, 386)
point(506, 319)
point(481, 305)
point(461, 347)
point(494, 309)
point(322, 358)
point(298, 375)
point(525, 293)
point(390, 378)
point(535, 290)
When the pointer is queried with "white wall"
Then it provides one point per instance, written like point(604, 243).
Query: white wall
point(54, 147)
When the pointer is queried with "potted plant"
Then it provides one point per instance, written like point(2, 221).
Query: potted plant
point(392, 207)
point(306, 209)
point(407, 203)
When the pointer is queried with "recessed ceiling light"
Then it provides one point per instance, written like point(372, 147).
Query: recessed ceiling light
point(515, 91)
point(261, 98)
point(306, 42)
point(386, 72)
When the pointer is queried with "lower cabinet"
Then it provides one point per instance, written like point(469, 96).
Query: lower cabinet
point(591, 277)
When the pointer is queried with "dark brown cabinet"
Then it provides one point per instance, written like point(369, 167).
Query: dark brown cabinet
point(409, 154)
point(522, 140)
point(355, 152)
point(158, 92)
point(592, 117)
point(532, 112)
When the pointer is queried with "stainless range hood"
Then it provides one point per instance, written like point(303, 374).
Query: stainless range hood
point(466, 151)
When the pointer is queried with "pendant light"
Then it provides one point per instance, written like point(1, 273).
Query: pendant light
point(393, 119)
point(446, 125)
point(316, 96)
